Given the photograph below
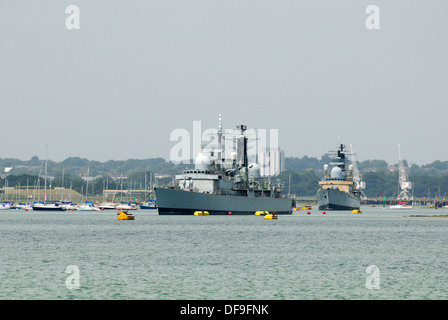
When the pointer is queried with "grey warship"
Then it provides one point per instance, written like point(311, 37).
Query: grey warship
point(337, 189)
point(222, 186)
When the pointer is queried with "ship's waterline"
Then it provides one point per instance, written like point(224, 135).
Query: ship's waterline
point(172, 201)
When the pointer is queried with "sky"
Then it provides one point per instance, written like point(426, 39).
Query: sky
point(135, 71)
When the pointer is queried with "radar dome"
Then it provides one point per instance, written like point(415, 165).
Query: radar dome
point(202, 162)
point(336, 173)
point(254, 170)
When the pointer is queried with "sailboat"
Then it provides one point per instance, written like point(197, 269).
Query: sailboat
point(47, 206)
point(4, 206)
point(404, 196)
point(400, 205)
point(149, 204)
point(88, 205)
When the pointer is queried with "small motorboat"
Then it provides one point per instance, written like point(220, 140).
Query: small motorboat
point(400, 206)
point(150, 204)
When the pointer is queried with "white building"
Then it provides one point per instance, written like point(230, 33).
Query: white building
point(271, 161)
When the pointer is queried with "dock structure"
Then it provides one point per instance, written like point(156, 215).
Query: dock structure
point(138, 193)
point(422, 201)
point(35, 194)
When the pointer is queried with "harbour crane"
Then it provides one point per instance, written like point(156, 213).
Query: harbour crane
point(404, 184)
point(360, 185)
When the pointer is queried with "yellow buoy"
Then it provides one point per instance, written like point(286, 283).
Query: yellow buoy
point(261, 213)
point(201, 213)
point(307, 208)
point(356, 211)
point(271, 216)
point(122, 215)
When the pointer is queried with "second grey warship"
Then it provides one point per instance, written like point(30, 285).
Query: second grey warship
point(221, 186)
point(337, 189)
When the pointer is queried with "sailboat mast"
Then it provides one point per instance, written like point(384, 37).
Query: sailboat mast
point(87, 182)
point(45, 177)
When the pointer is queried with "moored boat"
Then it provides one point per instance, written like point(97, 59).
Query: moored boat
point(150, 204)
point(88, 207)
point(126, 207)
point(107, 206)
point(5, 206)
point(337, 189)
point(401, 205)
point(222, 186)
point(48, 206)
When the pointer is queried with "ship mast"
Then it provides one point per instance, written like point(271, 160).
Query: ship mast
point(219, 156)
point(403, 182)
point(242, 153)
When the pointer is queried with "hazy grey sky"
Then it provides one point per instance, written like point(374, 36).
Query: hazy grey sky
point(136, 70)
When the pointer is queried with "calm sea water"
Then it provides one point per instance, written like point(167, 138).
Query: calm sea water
point(300, 256)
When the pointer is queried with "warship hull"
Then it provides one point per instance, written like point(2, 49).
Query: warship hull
point(180, 202)
point(334, 199)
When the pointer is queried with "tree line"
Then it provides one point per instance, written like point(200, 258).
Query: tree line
point(300, 177)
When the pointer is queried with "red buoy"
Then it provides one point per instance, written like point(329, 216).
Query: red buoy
point(308, 212)
point(324, 212)
point(230, 212)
